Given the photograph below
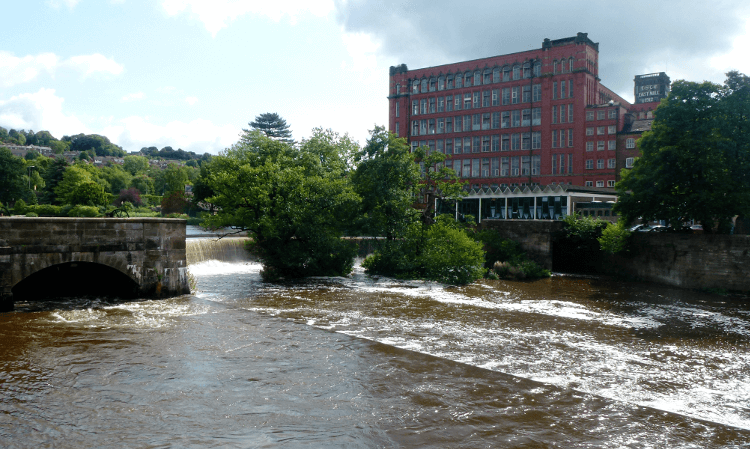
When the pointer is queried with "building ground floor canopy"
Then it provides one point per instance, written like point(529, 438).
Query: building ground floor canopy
point(552, 202)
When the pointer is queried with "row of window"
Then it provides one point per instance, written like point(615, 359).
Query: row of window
point(601, 115)
point(564, 92)
point(477, 122)
point(496, 166)
point(486, 76)
point(611, 163)
point(600, 130)
point(610, 183)
point(484, 144)
point(476, 100)
point(602, 145)
point(562, 113)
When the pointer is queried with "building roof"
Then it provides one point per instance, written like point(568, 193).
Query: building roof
point(638, 126)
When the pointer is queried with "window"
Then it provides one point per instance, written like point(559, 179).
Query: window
point(600, 145)
point(516, 72)
point(554, 67)
point(423, 127)
point(424, 85)
point(415, 128)
point(562, 89)
point(537, 68)
point(485, 144)
point(611, 183)
point(467, 79)
point(570, 84)
point(536, 116)
point(440, 126)
point(449, 103)
point(496, 75)
point(397, 133)
point(486, 98)
point(570, 163)
point(570, 137)
point(467, 168)
point(423, 106)
point(514, 166)
point(590, 131)
point(432, 105)
point(459, 80)
point(515, 142)
point(563, 113)
point(600, 164)
point(600, 130)
point(449, 82)
point(467, 101)
point(600, 115)
point(589, 164)
point(525, 165)
point(536, 92)
point(433, 84)
point(536, 140)
point(515, 118)
point(589, 183)
point(476, 122)
point(477, 78)
point(458, 148)
point(527, 70)
point(415, 87)
point(504, 166)
point(467, 144)
point(600, 183)
point(612, 145)
point(476, 100)
point(457, 103)
point(467, 123)
point(611, 163)
point(440, 104)
point(397, 109)
point(514, 95)
point(589, 116)
point(495, 143)
point(415, 107)
point(485, 168)
point(554, 114)
point(525, 141)
point(554, 138)
point(554, 90)
point(487, 77)
point(611, 129)
point(448, 148)
point(458, 123)
point(630, 143)
point(589, 146)
point(440, 145)
point(475, 168)
point(449, 124)
point(506, 73)
point(526, 94)
point(495, 97)
point(570, 113)
point(432, 126)
point(554, 164)
point(505, 143)
point(495, 168)
point(526, 117)
point(495, 120)
point(505, 122)
point(629, 162)
point(613, 113)
point(486, 121)
point(570, 65)
point(441, 83)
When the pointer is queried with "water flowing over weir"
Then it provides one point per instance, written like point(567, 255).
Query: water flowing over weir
point(227, 249)
point(374, 362)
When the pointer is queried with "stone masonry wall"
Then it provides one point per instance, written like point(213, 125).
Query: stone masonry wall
point(535, 236)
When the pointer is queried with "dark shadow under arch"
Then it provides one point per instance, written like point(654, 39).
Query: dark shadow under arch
point(75, 279)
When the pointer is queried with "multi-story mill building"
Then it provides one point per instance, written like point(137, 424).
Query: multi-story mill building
point(526, 120)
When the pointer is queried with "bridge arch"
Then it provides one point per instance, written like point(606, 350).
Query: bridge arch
point(75, 278)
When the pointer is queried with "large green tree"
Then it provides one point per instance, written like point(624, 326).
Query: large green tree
point(695, 161)
point(272, 125)
point(295, 203)
point(13, 182)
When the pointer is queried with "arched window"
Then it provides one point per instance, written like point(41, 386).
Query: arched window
point(537, 68)
point(496, 75)
point(527, 70)
point(467, 79)
point(433, 84)
point(441, 83)
point(516, 72)
point(487, 76)
point(459, 80)
point(449, 82)
point(506, 73)
point(398, 88)
point(415, 87)
point(424, 85)
point(570, 64)
point(477, 78)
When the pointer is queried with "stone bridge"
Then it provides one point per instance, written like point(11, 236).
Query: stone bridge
point(125, 257)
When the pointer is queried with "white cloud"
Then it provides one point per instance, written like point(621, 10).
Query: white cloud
point(15, 70)
point(57, 4)
point(201, 136)
point(738, 58)
point(191, 100)
point(217, 14)
point(134, 96)
point(88, 65)
point(18, 70)
point(42, 110)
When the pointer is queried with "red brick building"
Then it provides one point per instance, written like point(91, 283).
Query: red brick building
point(535, 118)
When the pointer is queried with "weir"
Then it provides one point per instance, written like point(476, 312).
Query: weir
point(227, 249)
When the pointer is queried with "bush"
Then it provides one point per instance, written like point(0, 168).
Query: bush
point(32, 214)
point(84, 211)
point(614, 238)
point(440, 252)
point(20, 207)
point(46, 210)
point(320, 255)
point(131, 195)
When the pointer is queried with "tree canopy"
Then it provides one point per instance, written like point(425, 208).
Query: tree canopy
point(272, 125)
point(695, 162)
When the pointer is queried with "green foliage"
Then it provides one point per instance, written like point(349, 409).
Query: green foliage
point(506, 259)
point(171, 179)
point(175, 202)
point(295, 203)
point(135, 164)
point(581, 228)
point(523, 270)
point(84, 211)
point(614, 238)
point(46, 210)
point(81, 184)
point(272, 126)
point(20, 207)
point(53, 175)
point(441, 252)
point(695, 161)
point(94, 143)
point(12, 174)
point(32, 214)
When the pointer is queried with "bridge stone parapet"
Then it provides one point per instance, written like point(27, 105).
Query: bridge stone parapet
point(149, 251)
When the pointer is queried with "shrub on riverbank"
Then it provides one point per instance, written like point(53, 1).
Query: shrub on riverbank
point(506, 259)
point(440, 252)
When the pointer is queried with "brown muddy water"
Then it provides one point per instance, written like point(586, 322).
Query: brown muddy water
point(364, 362)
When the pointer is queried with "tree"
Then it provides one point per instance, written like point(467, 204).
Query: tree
point(272, 125)
point(135, 164)
point(695, 160)
point(294, 204)
point(52, 177)
point(13, 185)
point(80, 185)
point(171, 179)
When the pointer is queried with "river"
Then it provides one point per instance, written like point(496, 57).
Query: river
point(364, 362)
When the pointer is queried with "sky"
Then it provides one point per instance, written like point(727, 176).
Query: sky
point(192, 74)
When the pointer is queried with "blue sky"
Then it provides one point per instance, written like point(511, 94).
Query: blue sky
point(192, 73)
